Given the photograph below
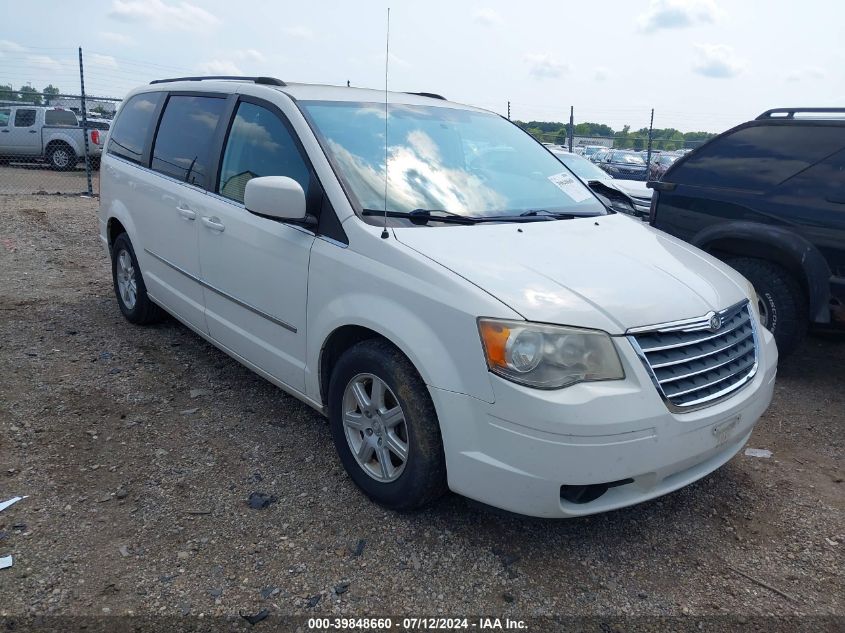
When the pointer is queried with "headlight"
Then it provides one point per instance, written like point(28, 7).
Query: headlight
point(548, 356)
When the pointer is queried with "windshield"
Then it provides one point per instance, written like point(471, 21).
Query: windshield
point(459, 161)
point(626, 157)
point(582, 167)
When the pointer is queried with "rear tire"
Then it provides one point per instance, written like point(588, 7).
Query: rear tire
point(783, 305)
point(61, 157)
point(406, 484)
point(129, 287)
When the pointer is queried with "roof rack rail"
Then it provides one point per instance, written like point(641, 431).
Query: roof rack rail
point(430, 95)
point(789, 113)
point(267, 81)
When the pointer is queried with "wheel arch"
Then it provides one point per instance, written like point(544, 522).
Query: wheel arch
point(778, 245)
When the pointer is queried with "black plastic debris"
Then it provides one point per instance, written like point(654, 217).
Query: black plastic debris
point(255, 619)
point(260, 500)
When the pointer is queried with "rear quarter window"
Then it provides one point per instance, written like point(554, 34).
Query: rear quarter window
point(134, 125)
point(60, 117)
point(758, 157)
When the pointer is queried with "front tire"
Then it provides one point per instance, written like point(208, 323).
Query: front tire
point(385, 428)
point(782, 304)
point(129, 285)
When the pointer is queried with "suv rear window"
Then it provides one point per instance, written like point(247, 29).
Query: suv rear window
point(60, 117)
point(185, 136)
point(757, 158)
point(133, 126)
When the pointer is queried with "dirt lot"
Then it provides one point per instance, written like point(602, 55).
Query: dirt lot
point(139, 448)
point(23, 178)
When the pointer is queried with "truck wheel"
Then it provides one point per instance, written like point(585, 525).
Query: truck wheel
point(385, 428)
point(61, 157)
point(782, 304)
point(129, 285)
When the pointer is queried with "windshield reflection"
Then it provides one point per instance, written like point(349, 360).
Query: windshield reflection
point(465, 162)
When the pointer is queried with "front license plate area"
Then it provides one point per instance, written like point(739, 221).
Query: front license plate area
point(723, 431)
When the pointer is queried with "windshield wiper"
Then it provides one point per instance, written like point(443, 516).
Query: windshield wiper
point(423, 216)
point(548, 214)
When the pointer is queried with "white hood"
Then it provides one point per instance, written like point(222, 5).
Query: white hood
point(633, 188)
point(608, 272)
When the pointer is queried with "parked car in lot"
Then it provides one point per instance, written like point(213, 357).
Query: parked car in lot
point(624, 164)
point(464, 310)
point(768, 198)
point(627, 196)
point(598, 156)
point(49, 134)
point(659, 165)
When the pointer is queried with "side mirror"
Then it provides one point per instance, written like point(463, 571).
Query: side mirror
point(276, 197)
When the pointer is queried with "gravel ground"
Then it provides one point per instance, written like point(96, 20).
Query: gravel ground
point(139, 448)
point(25, 178)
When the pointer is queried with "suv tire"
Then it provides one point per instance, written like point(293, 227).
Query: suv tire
point(129, 287)
point(783, 305)
point(371, 380)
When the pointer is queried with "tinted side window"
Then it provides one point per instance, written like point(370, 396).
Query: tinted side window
point(24, 118)
point(5, 114)
point(259, 144)
point(185, 136)
point(60, 117)
point(134, 125)
point(757, 158)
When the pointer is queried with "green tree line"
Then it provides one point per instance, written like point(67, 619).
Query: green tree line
point(662, 138)
point(28, 94)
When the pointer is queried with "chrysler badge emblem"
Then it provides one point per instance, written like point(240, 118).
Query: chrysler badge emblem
point(715, 322)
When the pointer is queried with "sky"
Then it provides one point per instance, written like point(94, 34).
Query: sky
point(701, 64)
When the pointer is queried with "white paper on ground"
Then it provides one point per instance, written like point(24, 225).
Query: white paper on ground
point(6, 504)
point(5, 561)
point(571, 186)
point(758, 452)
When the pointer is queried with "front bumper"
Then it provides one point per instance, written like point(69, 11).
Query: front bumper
point(516, 453)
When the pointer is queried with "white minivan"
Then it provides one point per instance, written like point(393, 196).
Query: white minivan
point(463, 309)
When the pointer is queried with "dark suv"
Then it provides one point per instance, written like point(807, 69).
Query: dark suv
point(768, 197)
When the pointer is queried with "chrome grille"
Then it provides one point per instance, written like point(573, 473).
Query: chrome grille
point(694, 364)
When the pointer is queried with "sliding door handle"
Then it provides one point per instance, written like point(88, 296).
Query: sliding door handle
point(187, 213)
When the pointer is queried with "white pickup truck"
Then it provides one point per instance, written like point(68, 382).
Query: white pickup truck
point(49, 134)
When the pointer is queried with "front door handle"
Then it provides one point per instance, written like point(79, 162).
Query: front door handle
point(187, 213)
point(213, 223)
point(4, 131)
point(33, 131)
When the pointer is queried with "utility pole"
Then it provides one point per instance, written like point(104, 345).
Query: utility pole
point(571, 126)
point(84, 123)
point(648, 154)
point(509, 110)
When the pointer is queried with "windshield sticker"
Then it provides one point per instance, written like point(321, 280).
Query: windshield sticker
point(570, 185)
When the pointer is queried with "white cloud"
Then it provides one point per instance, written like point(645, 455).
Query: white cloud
point(601, 73)
point(488, 17)
point(719, 61)
point(12, 47)
point(250, 55)
point(220, 67)
point(544, 66)
point(673, 14)
point(45, 62)
point(299, 31)
point(104, 61)
point(808, 72)
point(162, 15)
point(117, 38)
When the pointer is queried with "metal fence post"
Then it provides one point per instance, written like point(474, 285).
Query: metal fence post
point(648, 155)
point(509, 110)
point(85, 124)
point(571, 126)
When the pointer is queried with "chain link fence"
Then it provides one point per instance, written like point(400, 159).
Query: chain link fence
point(49, 144)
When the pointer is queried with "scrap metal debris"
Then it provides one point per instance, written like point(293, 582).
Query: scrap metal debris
point(758, 452)
point(6, 504)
